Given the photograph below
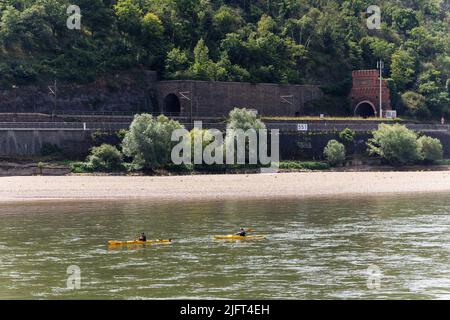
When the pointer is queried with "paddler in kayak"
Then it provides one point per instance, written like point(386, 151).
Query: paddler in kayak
point(143, 237)
point(241, 233)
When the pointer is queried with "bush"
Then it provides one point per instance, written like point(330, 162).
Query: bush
point(334, 152)
point(80, 167)
point(148, 141)
point(430, 149)
point(105, 158)
point(347, 135)
point(309, 165)
point(395, 143)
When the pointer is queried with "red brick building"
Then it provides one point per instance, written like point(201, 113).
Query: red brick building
point(365, 93)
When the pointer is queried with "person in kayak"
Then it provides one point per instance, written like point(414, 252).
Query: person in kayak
point(143, 237)
point(241, 233)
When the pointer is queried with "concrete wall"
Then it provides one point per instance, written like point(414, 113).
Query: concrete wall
point(29, 142)
point(293, 144)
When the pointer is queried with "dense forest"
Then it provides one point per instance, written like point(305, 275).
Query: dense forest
point(277, 41)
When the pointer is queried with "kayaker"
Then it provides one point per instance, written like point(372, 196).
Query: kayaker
point(143, 237)
point(242, 233)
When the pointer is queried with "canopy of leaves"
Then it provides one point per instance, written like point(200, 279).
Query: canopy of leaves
point(334, 152)
point(148, 141)
point(430, 149)
point(395, 143)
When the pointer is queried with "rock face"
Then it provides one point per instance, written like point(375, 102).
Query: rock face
point(141, 92)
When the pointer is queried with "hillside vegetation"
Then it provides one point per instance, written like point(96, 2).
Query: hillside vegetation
point(278, 41)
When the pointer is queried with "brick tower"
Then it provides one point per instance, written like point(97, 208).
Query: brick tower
point(365, 93)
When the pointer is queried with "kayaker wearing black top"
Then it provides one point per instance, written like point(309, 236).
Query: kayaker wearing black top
point(241, 233)
point(143, 237)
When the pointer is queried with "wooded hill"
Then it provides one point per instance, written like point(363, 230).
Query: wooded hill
point(276, 41)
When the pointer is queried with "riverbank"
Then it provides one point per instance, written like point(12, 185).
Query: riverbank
point(210, 187)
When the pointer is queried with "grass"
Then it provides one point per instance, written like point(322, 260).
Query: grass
point(444, 162)
point(306, 165)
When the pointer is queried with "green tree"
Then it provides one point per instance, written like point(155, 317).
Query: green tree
point(403, 69)
point(148, 141)
point(395, 143)
point(430, 149)
point(415, 104)
point(405, 19)
point(334, 152)
point(152, 28)
point(129, 16)
point(177, 61)
point(242, 121)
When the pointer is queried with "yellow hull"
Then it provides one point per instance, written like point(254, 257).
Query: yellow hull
point(122, 243)
point(235, 237)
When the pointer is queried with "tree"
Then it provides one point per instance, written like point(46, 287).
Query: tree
point(203, 67)
point(152, 28)
point(403, 69)
point(405, 19)
point(244, 119)
point(395, 143)
point(415, 104)
point(430, 149)
point(243, 125)
point(226, 20)
point(128, 16)
point(148, 141)
point(177, 61)
point(334, 152)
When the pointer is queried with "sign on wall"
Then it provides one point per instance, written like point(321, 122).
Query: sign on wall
point(302, 127)
point(390, 114)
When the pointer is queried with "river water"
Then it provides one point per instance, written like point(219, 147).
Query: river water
point(395, 247)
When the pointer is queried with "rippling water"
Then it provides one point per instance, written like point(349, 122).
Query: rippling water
point(315, 249)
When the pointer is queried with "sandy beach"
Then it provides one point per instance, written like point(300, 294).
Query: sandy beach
point(252, 186)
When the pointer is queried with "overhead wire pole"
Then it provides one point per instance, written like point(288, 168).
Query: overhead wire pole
point(54, 92)
point(184, 96)
point(380, 65)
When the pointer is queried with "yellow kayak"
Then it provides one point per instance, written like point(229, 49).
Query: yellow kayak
point(122, 243)
point(236, 237)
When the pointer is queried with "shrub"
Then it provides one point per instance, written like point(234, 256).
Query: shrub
point(148, 141)
point(80, 167)
point(309, 165)
point(334, 152)
point(347, 135)
point(394, 143)
point(105, 158)
point(430, 149)
point(40, 166)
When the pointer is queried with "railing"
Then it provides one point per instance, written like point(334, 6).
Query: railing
point(79, 126)
point(283, 127)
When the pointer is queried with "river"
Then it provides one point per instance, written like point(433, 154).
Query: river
point(395, 247)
